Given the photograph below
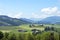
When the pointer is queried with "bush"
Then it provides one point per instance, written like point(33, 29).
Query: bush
point(59, 36)
point(6, 35)
point(56, 36)
point(49, 35)
point(12, 37)
point(30, 36)
point(38, 37)
point(45, 35)
point(23, 36)
point(1, 35)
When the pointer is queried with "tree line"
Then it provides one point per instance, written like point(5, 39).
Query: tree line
point(29, 36)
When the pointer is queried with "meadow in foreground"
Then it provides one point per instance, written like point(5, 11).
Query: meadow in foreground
point(30, 32)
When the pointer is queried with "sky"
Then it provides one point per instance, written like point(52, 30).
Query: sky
point(30, 8)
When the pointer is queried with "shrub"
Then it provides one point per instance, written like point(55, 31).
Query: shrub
point(30, 36)
point(45, 35)
point(56, 35)
point(6, 35)
point(50, 36)
point(23, 36)
point(38, 37)
point(12, 37)
point(59, 36)
point(1, 35)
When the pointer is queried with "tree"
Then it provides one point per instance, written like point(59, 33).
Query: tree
point(30, 25)
point(38, 37)
point(45, 36)
point(30, 37)
point(1, 35)
point(22, 36)
point(51, 36)
point(12, 37)
point(59, 36)
point(6, 35)
point(52, 28)
point(47, 29)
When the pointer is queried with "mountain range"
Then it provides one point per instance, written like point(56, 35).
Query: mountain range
point(8, 21)
point(50, 20)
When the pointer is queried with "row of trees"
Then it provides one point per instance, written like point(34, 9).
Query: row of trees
point(30, 36)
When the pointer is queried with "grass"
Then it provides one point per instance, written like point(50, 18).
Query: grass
point(56, 25)
point(25, 27)
point(8, 28)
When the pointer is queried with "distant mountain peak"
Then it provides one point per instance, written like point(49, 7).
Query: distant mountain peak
point(52, 19)
point(8, 21)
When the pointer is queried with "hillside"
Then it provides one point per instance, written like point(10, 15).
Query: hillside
point(26, 20)
point(51, 20)
point(8, 21)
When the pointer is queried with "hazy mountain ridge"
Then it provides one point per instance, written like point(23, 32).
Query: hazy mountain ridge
point(27, 20)
point(51, 20)
point(8, 21)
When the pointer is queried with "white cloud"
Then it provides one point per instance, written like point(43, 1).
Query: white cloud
point(34, 15)
point(16, 15)
point(49, 10)
point(12, 14)
point(42, 16)
point(46, 12)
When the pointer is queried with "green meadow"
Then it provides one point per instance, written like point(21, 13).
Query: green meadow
point(12, 33)
point(26, 27)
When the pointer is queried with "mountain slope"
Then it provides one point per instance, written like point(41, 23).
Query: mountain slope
point(27, 20)
point(50, 20)
point(8, 21)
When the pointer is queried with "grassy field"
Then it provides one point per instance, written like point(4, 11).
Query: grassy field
point(8, 28)
point(25, 27)
point(55, 25)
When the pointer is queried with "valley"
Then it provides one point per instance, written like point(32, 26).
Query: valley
point(27, 27)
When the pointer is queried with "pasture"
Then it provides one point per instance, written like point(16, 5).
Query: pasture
point(29, 32)
point(26, 27)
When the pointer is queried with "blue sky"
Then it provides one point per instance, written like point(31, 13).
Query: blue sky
point(30, 8)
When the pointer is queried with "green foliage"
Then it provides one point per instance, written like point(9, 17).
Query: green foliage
point(56, 36)
point(50, 36)
point(38, 37)
point(30, 36)
point(12, 37)
point(15, 35)
point(22, 36)
point(45, 35)
point(59, 36)
point(6, 35)
point(1, 35)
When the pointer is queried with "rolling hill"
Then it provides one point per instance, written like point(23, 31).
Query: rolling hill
point(50, 20)
point(8, 21)
point(27, 20)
